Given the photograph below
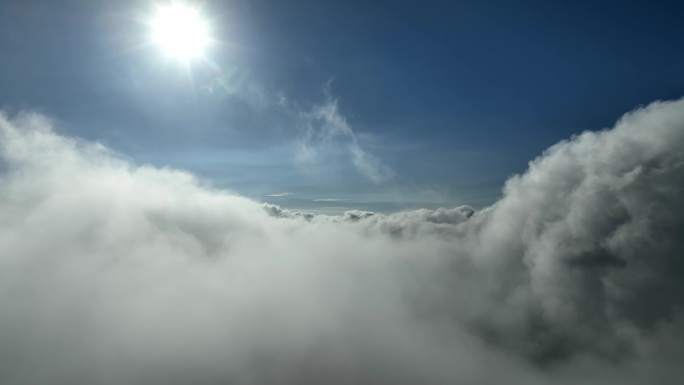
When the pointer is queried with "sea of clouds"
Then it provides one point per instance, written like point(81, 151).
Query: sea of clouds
point(113, 273)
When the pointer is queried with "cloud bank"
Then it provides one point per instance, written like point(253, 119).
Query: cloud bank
point(112, 273)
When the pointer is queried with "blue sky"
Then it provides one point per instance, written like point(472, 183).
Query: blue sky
point(335, 105)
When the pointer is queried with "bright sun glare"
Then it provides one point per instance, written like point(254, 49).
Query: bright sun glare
point(180, 30)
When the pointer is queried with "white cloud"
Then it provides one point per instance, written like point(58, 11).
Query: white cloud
point(124, 274)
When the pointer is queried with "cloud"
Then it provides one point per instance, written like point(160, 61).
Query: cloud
point(323, 125)
point(280, 195)
point(316, 129)
point(329, 200)
point(124, 274)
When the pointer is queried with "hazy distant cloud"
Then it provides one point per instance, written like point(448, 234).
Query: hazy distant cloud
point(112, 273)
point(329, 200)
point(279, 212)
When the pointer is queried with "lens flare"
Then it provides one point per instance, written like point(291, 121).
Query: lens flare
point(181, 31)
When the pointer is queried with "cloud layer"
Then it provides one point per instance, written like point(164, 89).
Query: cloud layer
point(112, 273)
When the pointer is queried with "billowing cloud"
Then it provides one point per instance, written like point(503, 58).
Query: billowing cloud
point(113, 273)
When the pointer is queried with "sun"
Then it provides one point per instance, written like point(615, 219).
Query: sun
point(180, 30)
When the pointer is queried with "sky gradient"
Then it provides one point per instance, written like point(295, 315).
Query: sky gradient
point(448, 98)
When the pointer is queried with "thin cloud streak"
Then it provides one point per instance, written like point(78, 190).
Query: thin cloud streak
point(280, 195)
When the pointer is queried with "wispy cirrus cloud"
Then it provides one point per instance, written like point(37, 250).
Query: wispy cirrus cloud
point(324, 125)
point(316, 127)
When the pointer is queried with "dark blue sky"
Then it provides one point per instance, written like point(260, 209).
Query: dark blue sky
point(453, 97)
